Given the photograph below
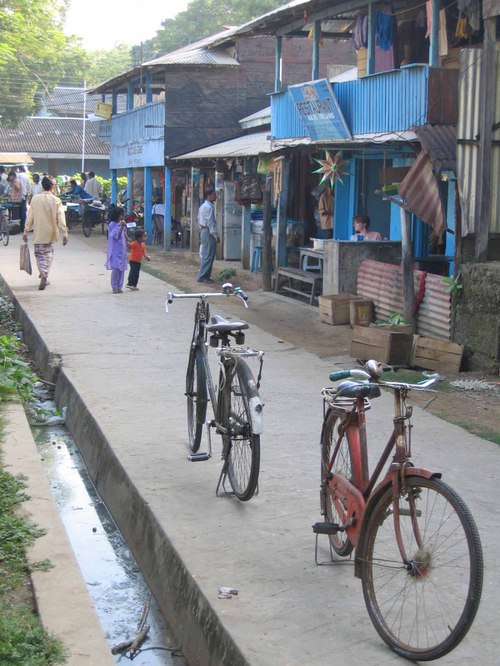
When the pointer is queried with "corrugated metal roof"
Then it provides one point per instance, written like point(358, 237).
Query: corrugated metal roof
point(201, 56)
point(242, 146)
point(299, 15)
point(383, 284)
point(440, 143)
point(53, 136)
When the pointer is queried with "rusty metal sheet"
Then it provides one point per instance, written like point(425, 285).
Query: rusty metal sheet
point(420, 192)
point(440, 143)
point(383, 284)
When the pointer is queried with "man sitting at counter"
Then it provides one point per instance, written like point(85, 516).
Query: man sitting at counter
point(361, 228)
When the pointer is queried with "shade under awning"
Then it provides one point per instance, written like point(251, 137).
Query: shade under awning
point(420, 192)
point(15, 159)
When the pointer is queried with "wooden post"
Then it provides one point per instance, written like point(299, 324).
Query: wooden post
point(267, 252)
point(315, 58)
point(434, 42)
point(281, 221)
point(407, 268)
point(486, 107)
point(370, 65)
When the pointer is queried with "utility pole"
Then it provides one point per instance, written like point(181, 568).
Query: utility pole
point(84, 123)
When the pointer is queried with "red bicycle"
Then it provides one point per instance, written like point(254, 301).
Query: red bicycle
point(418, 551)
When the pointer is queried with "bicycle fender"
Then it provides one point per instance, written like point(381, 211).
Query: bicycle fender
point(255, 405)
point(372, 501)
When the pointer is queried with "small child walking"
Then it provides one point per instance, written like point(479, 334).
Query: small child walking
point(137, 252)
point(116, 258)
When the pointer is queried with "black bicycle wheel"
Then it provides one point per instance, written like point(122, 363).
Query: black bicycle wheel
point(86, 225)
point(241, 444)
point(196, 393)
point(341, 465)
point(424, 609)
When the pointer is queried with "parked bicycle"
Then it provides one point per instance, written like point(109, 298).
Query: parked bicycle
point(236, 404)
point(4, 225)
point(418, 551)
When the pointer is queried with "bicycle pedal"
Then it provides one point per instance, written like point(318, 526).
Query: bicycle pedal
point(326, 528)
point(198, 457)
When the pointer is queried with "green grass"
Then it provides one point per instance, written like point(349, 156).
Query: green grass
point(480, 431)
point(23, 639)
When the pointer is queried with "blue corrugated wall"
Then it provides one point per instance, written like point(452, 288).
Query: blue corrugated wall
point(391, 101)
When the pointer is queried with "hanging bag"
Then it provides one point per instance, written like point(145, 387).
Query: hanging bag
point(24, 258)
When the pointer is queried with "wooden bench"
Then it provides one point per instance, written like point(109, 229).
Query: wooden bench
point(296, 279)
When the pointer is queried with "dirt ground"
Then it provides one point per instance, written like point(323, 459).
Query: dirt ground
point(476, 407)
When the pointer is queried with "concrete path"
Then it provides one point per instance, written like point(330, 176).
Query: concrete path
point(122, 376)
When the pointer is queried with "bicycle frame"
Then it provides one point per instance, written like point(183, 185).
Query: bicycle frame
point(353, 499)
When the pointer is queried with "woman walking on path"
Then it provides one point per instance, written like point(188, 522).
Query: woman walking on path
point(116, 259)
point(46, 217)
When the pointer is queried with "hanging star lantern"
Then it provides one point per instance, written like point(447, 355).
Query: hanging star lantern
point(332, 167)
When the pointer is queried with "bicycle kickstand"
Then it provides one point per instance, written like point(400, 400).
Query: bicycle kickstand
point(222, 480)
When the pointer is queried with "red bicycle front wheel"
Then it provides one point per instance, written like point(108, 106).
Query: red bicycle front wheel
point(424, 608)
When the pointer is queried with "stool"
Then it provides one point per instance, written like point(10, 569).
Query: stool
point(256, 259)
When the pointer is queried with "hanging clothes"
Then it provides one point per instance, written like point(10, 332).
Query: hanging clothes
point(385, 30)
point(442, 33)
point(384, 57)
point(360, 32)
point(471, 9)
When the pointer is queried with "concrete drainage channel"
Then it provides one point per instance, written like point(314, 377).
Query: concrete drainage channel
point(118, 590)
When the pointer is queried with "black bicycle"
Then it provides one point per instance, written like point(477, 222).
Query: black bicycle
point(236, 404)
point(4, 225)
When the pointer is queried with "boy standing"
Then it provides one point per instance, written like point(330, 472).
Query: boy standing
point(137, 252)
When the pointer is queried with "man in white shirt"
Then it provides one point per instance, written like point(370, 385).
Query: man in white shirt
point(93, 186)
point(36, 187)
point(208, 235)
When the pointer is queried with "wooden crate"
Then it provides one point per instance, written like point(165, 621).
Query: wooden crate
point(334, 309)
point(434, 354)
point(387, 345)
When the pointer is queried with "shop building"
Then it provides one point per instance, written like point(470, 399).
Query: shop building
point(188, 99)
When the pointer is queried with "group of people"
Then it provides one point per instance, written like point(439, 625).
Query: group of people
point(47, 220)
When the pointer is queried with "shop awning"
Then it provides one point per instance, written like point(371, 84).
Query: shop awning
point(14, 159)
point(371, 137)
point(243, 146)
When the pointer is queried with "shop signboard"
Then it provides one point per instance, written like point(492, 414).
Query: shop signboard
point(319, 110)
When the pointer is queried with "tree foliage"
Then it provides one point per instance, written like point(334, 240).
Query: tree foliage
point(32, 49)
point(203, 18)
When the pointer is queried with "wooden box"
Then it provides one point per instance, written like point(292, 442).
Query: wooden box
point(334, 309)
point(387, 344)
point(434, 354)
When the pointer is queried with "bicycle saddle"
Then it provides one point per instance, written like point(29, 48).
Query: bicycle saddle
point(351, 389)
point(221, 325)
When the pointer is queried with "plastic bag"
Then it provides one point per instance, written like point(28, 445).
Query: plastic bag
point(24, 258)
